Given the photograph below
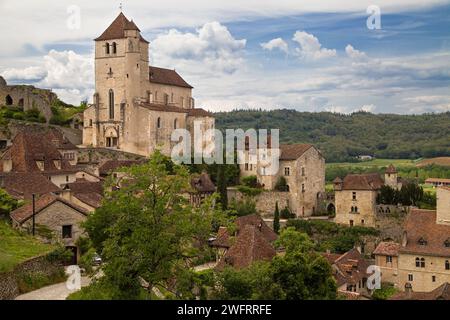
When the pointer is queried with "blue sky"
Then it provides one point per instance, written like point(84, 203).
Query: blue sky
point(314, 56)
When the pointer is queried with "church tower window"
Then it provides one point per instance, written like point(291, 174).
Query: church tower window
point(175, 123)
point(158, 123)
point(111, 104)
point(166, 99)
point(107, 48)
point(114, 48)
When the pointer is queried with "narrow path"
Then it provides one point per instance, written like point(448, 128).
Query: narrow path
point(57, 291)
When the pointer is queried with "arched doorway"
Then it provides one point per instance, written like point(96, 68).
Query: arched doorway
point(331, 209)
point(20, 104)
point(111, 138)
point(8, 100)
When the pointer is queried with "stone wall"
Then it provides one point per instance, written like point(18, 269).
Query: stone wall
point(27, 97)
point(265, 201)
point(9, 281)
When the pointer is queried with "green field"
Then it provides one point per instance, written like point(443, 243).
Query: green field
point(16, 247)
point(406, 169)
point(377, 163)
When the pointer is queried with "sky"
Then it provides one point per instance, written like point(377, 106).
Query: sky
point(342, 56)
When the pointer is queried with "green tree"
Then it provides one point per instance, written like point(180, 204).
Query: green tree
point(147, 230)
point(7, 203)
point(276, 219)
point(222, 186)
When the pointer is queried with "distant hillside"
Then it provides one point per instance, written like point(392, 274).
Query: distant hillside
point(343, 137)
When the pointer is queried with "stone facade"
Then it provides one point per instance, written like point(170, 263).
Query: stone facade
point(363, 200)
point(303, 168)
point(265, 201)
point(27, 97)
point(443, 205)
point(136, 106)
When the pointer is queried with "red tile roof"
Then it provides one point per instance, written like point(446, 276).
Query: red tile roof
point(197, 112)
point(256, 221)
point(250, 246)
point(117, 29)
point(293, 151)
point(168, 77)
point(421, 225)
point(367, 181)
point(351, 267)
point(28, 147)
point(223, 238)
point(440, 293)
point(25, 212)
point(387, 249)
point(21, 185)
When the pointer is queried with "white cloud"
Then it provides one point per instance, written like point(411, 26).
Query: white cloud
point(212, 46)
point(276, 43)
point(27, 74)
point(352, 53)
point(310, 47)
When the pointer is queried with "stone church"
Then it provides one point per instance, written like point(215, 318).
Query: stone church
point(136, 106)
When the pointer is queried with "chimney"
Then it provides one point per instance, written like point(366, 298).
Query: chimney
point(408, 290)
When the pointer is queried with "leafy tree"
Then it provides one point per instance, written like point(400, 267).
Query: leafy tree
point(388, 195)
point(250, 181)
point(299, 274)
point(410, 194)
point(243, 207)
point(7, 203)
point(281, 184)
point(222, 186)
point(147, 230)
point(276, 219)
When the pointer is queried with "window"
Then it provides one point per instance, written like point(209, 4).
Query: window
point(111, 104)
point(422, 242)
point(90, 122)
point(67, 178)
point(447, 243)
point(171, 98)
point(351, 223)
point(166, 99)
point(107, 48)
point(410, 277)
point(356, 209)
point(417, 263)
point(175, 122)
point(287, 171)
point(354, 195)
point(303, 171)
point(114, 48)
point(433, 278)
point(447, 265)
point(362, 221)
point(150, 97)
point(388, 259)
point(303, 187)
point(67, 231)
point(420, 263)
point(246, 167)
point(158, 123)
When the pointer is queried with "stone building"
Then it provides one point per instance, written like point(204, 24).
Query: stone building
point(136, 106)
point(301, 165)
point(423, 262)
point(27, 97)
point(386, 257)
point(350, 271)
point(61, 217)
point(355, 199)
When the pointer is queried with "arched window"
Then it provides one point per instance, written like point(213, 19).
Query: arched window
point(175, 123)
point(356, 209)
point(353, 209)
point(107, 48)
point(417, 263)
point(422, 263)
point(114, 47)
point(447, 265)
point(158, 123)
point(8, 100)
point(287, 188)
point(111, 104)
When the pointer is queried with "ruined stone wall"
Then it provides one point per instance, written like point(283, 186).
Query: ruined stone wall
point(27, 97)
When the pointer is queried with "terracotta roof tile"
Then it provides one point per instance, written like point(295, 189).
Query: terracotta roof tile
point(367, 181)
point(22, 185)
point(250, 246)
point(387, 249)
point(293, 151)
point(351, 267)
point(25, 212)
point(421, 224)
point(117, 29)
point(203, 183)
point(256, 221)
point(223, 238)
point(167, 76)
point(440, 293)
point(92, 199)
point(196, 112)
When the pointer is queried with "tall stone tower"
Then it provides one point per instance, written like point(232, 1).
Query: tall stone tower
point(391, 177)
point(121, 67)
point(443, 205)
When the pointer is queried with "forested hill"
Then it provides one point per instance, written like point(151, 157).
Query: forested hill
point(342, 137)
